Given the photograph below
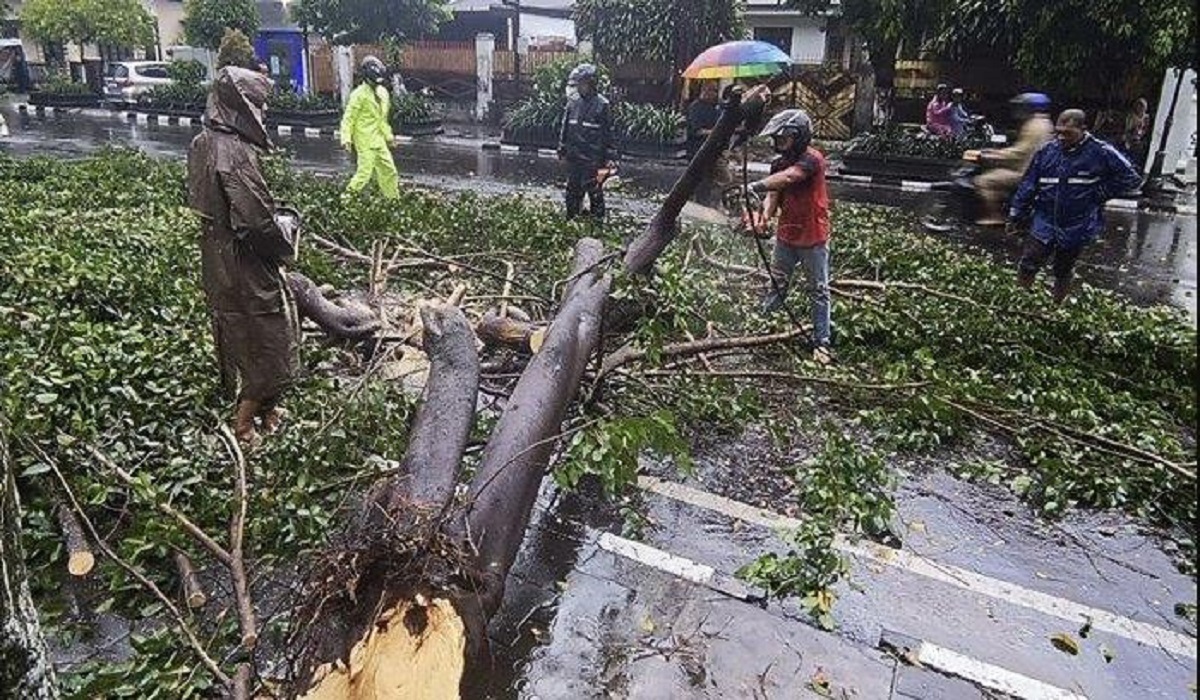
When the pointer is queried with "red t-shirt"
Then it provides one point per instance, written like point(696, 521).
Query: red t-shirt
point(804, 206)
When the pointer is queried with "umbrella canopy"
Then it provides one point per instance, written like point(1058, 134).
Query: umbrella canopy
point(738, 59)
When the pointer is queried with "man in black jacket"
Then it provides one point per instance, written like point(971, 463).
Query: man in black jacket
point(585, 142)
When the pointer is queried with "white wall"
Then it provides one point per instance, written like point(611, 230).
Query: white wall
point(808, 34)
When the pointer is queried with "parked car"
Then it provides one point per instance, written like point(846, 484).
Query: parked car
point(127, 80)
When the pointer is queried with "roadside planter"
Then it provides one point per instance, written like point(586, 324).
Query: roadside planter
point(654, 148)
point(69, 100)
point(530, 136)
point(897, 167)
point(894, 153)
point(424, 127)
point(414, 114)
point(312, 119)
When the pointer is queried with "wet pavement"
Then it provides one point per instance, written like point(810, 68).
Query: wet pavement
point(1149, 257)
point(978, 590)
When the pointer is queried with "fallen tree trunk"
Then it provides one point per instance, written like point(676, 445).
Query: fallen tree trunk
point(351, 323)
point(408, 616)
point(388, 624)
point(501, 331)
point(502, 493)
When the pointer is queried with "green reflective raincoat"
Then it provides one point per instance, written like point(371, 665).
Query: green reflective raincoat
point(365, 128)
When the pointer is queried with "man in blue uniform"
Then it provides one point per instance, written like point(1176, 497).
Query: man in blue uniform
point(1062, 197)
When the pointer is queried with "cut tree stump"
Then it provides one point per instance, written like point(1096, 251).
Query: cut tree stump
point(80, 560)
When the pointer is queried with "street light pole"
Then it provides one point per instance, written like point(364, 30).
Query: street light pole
point(516, 5)
point(1155, 179)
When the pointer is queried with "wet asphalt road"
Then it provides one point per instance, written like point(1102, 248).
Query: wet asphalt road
point(1149, 257)
point(584, 621)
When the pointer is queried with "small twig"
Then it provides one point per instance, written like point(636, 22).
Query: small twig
point(786, 376)
point(188, 526)
point(142, 580)
point(629, 354)
point(237, 568)
point(506, 291)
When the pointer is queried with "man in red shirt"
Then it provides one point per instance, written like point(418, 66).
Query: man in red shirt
point(796, 191)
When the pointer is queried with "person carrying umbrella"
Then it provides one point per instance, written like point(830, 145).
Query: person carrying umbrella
point(585, 142)
point(367, 133)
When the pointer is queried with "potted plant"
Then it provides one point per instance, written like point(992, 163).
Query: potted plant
point(312, 110)
point(649, 130)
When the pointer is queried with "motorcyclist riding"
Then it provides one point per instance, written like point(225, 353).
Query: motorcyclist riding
point(1006, 166)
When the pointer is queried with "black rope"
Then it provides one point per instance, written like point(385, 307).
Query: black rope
point(762, 249)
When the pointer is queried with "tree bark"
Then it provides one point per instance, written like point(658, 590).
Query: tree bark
point(662, 229)
point(80, 559)
point(341, 322)
point(503, 491)
point(25, 668)
point(499, 331)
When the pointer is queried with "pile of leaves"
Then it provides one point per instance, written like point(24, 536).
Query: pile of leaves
point(1095, 400)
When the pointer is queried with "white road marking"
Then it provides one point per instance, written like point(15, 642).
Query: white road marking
point(1001, 679)
point(509, 148)
point(656, 558)
point(185, 121)
point(1121, 204)
point(285, 130)
point(547, 153)
point(143, 118)
point(858, 178)
point(915, 186)
point(312, 133)
point(1174, 643)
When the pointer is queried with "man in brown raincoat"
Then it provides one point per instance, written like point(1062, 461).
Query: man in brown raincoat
point(244, 245)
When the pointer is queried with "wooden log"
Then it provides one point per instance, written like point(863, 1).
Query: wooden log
point(342, 322)
point(503, 331)
point(193, 593)
point(396, 631)
point(80, 560)
point(662, 229)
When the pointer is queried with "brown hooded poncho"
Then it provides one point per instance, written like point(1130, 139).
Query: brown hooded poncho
point(254, 316)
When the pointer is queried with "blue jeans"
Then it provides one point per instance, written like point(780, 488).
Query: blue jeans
point(815, 261)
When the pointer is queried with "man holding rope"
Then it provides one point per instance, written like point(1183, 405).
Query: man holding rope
point(795, 191)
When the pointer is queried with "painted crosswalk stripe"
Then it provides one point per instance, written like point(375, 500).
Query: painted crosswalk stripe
point(1010, 683)
point(644, 554)
point(1179, 645)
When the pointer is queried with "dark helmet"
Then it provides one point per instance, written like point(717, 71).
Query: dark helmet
point(584, 72)
point(791, 122)
point(1031, 101)
point(373, 69)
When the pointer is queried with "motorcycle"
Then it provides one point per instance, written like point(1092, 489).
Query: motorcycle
point(955, 202)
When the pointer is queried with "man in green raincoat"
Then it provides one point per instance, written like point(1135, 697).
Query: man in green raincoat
point(367, 132)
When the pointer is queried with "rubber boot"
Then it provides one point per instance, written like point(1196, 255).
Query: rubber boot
point(1062, 289)
point(272, 419)
point(243, 422)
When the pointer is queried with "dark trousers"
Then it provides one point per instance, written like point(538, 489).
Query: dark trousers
point(581, 180)
point(1062, 263)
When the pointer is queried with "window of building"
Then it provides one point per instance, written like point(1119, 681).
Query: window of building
point(779, 36)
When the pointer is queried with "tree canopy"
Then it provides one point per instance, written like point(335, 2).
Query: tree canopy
point(113, 22)
point(205, 21)
point(367, 21)
point(1065, 45)
point(672, 31)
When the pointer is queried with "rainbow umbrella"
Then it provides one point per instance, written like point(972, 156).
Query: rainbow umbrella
point(738, 59)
